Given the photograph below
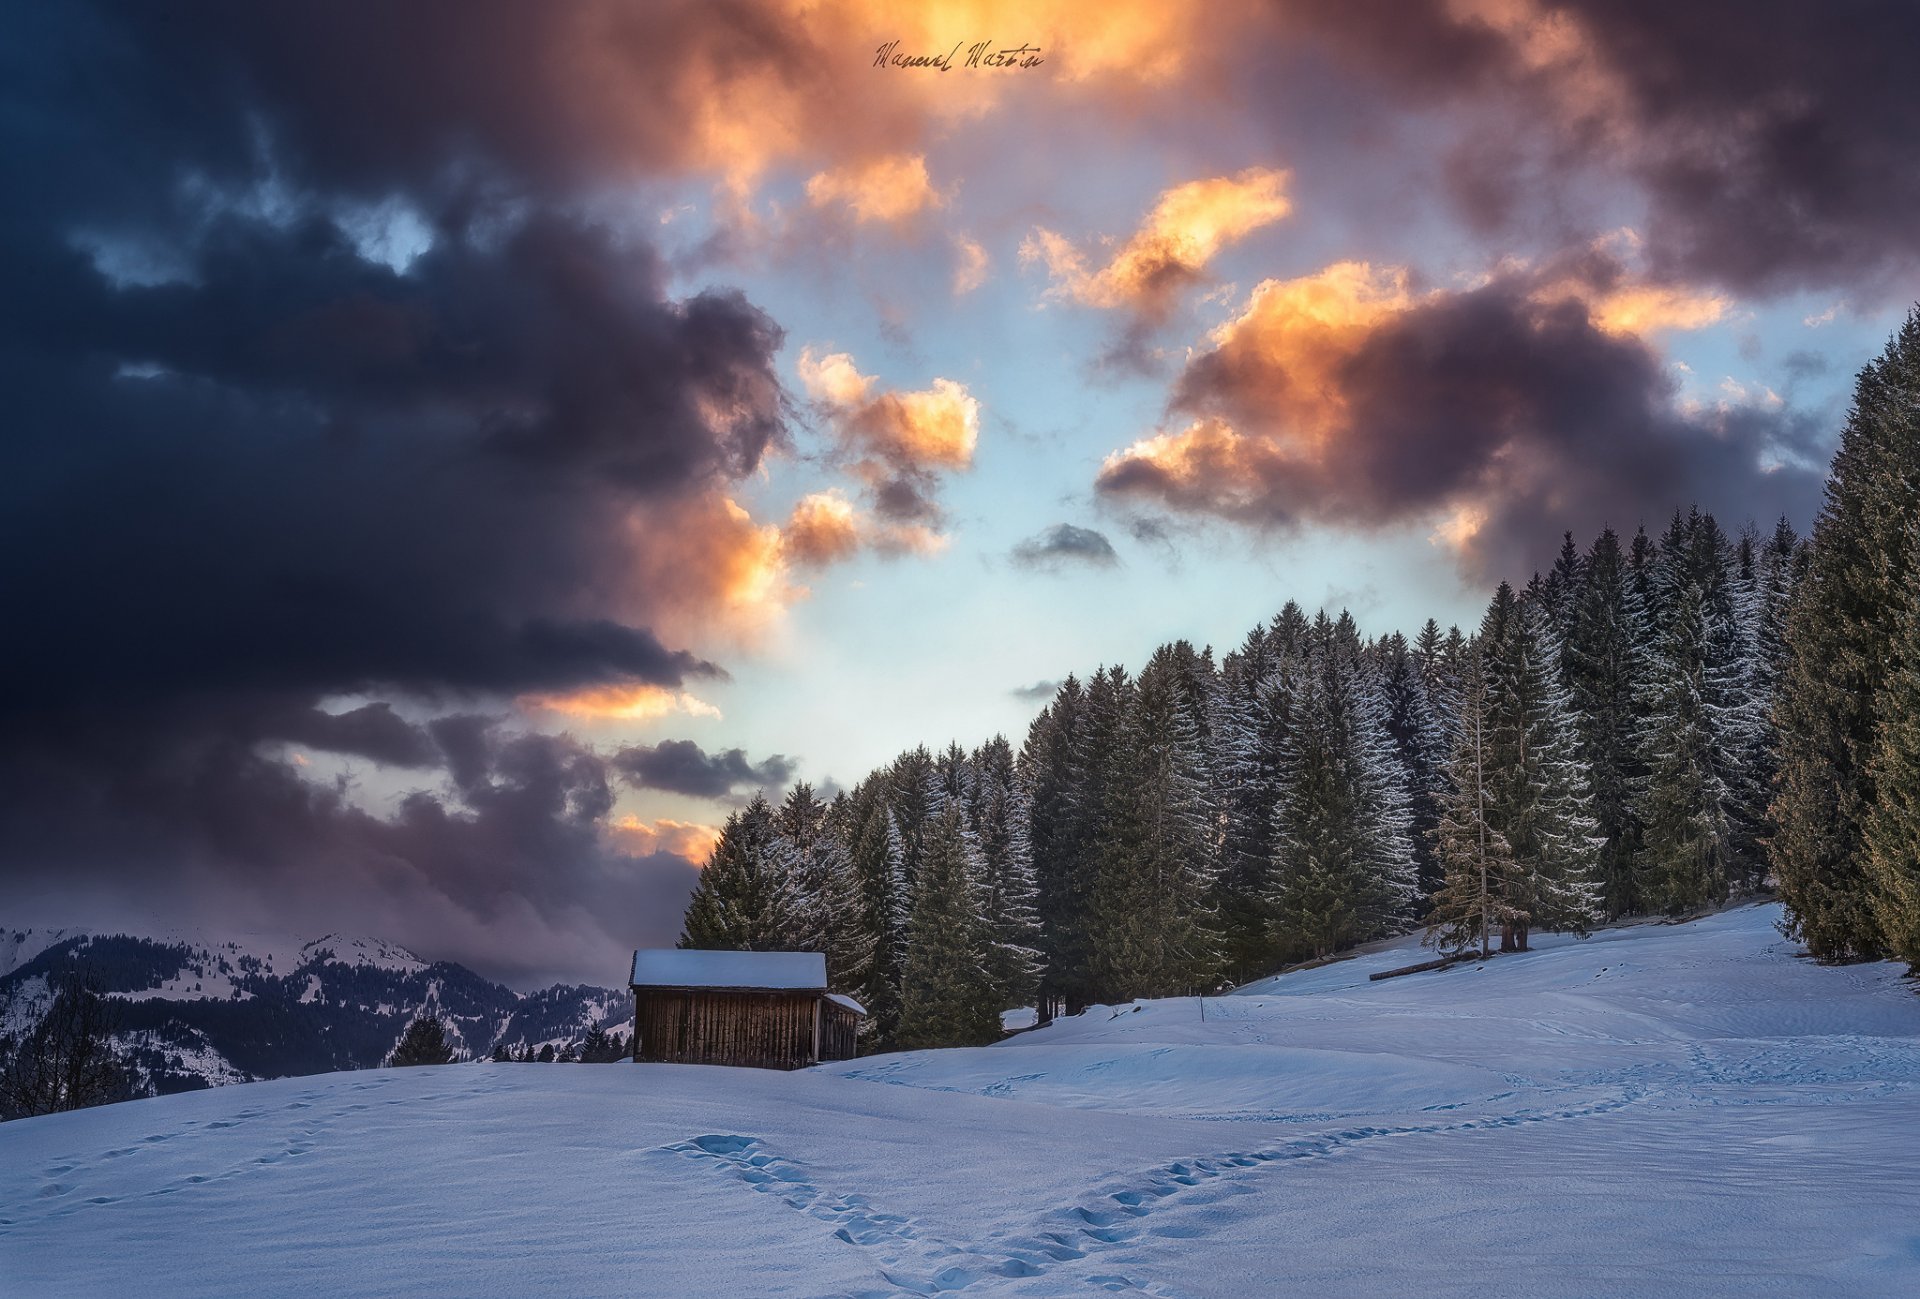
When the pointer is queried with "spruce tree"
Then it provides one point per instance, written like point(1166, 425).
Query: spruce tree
point(879, 866)
point(424, 1042)
point(1604, 664)
point(1420, 744)
point(1481, 876)
point(1060, 832)
point(947, 998)
point(829, 902)
point(1841, 633)
point(1892, 824)
point(1687, 827)
point(1001, 819)
point(1539, 793)
point(1343, 868)
point(745, 900)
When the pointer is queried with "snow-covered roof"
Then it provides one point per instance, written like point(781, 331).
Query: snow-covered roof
point(841, 998)
point(671, 967)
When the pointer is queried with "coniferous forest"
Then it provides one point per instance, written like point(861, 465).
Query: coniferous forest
point(1654, 724)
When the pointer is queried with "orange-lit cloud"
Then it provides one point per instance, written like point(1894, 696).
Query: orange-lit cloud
point(823, 529)
point(887, 189)
point(933, 428)
point(898, 445)
point(1490, 414)
point(621, 703)
point(688, 839)
point(1187, 227)
point(970, 265)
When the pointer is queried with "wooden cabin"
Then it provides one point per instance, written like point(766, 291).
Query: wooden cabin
point(763, 1010)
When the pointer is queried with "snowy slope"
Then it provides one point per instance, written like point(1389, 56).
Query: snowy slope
point(1659, 1110)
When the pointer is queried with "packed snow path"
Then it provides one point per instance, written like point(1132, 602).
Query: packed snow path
point(1656, 1110)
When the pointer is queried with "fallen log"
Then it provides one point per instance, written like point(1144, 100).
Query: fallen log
point(1439, 964)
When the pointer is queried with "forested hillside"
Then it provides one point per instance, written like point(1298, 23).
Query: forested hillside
point(1608, 741)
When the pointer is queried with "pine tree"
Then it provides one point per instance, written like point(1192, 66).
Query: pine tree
point(1841, 634)
point(878, 862)
point(1481, 876)
point(745, 900)
point(1252, 720)
point(947, 998)
point(424, 1042)
point(1687, 828)
point(1060, 832)
point(1000, 814)
point(1538, 787)
point(1420, 743)
point(829, 903)
point(1564, 585)
point(1343, 868)
point(1604, 665)
point(1892, 825)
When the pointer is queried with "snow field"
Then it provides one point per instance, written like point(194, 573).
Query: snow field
point(1657, 1110)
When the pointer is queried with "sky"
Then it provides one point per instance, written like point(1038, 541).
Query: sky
point(459, 454)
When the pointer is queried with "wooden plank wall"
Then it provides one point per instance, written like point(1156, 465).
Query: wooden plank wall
point(839, 1031)
point(761, 1030)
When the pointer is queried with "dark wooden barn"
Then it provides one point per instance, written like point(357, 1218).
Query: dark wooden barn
point(764, 1010)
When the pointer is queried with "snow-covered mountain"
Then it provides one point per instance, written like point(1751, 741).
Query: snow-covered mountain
point(196, 1011)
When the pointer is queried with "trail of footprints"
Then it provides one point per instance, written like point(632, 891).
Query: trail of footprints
point(912, 1260)
point(64, 1180)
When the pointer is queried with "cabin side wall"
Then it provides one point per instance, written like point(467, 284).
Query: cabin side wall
point(759, 1030)
point(839, 1031)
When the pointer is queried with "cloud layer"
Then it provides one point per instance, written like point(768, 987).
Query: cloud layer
point(1494, 415)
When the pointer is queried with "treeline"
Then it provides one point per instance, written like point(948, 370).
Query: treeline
point(1599, 746)
point(598, 1047)
point(1652, 725)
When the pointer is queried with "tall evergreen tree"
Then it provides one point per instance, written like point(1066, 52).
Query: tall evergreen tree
point(1001, 818)
point(1060, 831)
point(1687, 839)
point(746, 898)
point(1343, 868)
point(1892, 824)
point(1481, 876)
point(1539, 789)
point(829, 902)
point(947, 997)
point(1604, 664)
point(1841, 634)
point(878, 862)
point(1420, 742)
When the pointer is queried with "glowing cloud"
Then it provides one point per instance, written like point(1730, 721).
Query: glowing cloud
point(889, 189)
point(823, 529)
point(970, 266)
point(621, 703)
point(1531, 396)
point(1187, 227)
point(935, 427)
point(688, 839)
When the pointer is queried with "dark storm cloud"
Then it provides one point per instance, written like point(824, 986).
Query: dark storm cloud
point(320, 383)
point(371, 731)
point(1774, 143)
point(1501, 415)
point(1038, 692)
point(1064, 543)
point(683, 767)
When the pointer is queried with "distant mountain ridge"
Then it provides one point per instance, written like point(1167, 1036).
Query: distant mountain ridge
point(198, 1012)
